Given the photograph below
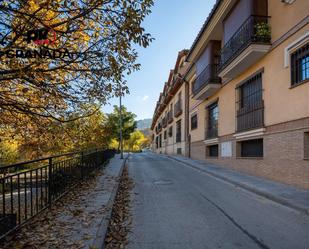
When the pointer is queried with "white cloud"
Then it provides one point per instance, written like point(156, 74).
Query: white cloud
point(145, 98)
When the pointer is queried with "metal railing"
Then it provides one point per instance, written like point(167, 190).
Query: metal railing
point(250, 104)
point(164, 122)
point(208, 75)
point(254, 30)
point(178, 108)
point(211, 132)
point(170, 116)
point(27, 188)
point(159, 127)
point(250, 117)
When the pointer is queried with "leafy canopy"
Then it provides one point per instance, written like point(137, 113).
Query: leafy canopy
point(101, 34)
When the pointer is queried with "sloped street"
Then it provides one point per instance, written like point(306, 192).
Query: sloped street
point(175, 206)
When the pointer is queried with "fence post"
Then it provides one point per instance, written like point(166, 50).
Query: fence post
point(82, 166)
point(50, 176)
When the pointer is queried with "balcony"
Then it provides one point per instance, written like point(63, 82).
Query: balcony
point(159, 127)
point(170, 116)
point(164, 122)
point(250, 42)
point(178, 108)
point(207, 83)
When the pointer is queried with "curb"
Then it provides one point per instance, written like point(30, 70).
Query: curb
point(98, 242)
point(248, 188)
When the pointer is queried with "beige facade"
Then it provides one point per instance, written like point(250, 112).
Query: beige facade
point(251, 96)
point(166, 137)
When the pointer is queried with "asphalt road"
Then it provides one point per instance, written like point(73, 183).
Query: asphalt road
point(176, 206)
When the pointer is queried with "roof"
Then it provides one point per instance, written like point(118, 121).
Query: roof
point(170, 77)
point(212, 12)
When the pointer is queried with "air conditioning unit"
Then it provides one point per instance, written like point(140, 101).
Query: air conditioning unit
point(288, 1)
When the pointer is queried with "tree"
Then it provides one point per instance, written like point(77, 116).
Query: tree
point(136, 142)
point(113, 124)
point(99, 36)
point(8, 150)
point(53, 137)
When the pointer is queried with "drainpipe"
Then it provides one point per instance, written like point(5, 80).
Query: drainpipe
point(187, 134)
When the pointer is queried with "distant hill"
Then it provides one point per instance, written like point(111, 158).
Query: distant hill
point(144, 124)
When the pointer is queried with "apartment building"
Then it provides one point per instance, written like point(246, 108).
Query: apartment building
point(170, 116)
point(248, 90)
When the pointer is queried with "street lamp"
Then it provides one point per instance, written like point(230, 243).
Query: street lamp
point(120, 123)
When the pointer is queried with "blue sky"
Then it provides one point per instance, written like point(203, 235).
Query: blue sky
point(174, 24)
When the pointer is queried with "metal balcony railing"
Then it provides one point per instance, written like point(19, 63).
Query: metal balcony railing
point(164, 122)
point(178, 108)
point(170, 116)
point(208, 75)
point(255, 29)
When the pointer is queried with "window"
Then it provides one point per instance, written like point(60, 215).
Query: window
point(251, 148)
point(250, 106)
point(170, 131)
point(160, 140)
point(212, 150)
point(178, 131)
point(306, 145)
point(165, 132)
point(300, 65)
point(213, 116)
point(193, 121)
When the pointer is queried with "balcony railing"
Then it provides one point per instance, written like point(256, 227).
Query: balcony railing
point(170, 116)
point(208, 75)
point(164, 122)
point(159, 127)
point(178, 108)
point(254, 30)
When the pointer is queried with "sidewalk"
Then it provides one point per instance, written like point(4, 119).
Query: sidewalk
point(79, 219)
point(283, 194)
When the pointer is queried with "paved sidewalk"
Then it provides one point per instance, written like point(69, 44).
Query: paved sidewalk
point(281, 193)
point(80, 218)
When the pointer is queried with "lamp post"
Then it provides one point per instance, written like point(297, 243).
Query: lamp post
point(120, 124)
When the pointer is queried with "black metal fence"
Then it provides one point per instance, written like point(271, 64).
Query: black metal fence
point(29, 187)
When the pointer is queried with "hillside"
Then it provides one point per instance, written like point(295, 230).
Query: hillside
point(144, 124)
